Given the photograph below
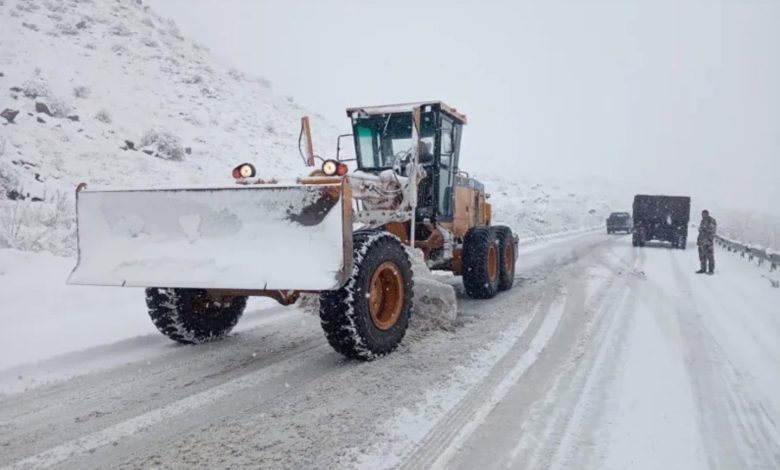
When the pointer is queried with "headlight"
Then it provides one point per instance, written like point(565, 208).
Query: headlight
point(330, 167)
point(244, 170)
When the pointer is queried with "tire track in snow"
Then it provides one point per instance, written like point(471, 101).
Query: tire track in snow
point(443, 439)
point(737, 430)
point(97, 359)
point(556, 410)
point(573, 443)
point(48, 415)
point(308, 355)
point(447, 437)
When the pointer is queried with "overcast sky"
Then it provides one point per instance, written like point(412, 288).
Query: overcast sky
point(680, 96)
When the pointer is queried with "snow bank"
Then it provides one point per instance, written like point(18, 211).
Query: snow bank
point(435, 303)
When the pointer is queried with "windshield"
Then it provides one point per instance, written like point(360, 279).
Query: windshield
point(383, 139)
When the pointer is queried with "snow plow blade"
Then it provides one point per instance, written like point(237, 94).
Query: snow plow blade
point(254, 237)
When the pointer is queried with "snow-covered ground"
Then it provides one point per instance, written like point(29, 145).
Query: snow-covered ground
point(602, 356)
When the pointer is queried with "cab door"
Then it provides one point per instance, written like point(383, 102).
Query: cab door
point(449, 138)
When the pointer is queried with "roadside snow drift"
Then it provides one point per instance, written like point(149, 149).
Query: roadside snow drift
point(435, 303)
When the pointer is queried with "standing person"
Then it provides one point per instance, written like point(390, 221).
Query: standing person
point(706, 242)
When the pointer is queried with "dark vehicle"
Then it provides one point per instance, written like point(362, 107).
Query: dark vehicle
point(619, 222)
point(663, 218)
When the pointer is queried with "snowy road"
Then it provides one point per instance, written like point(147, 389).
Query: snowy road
point(602, 356)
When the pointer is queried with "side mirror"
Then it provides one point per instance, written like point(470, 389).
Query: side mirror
point(338, 145)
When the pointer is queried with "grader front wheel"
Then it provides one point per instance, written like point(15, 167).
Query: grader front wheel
point(193, 316)
point(368, 317)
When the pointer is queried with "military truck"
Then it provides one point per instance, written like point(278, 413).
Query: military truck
point(661, 218)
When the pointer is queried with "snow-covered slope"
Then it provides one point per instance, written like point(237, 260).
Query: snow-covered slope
point(111, 94)
point(88, 76)
point(750, 227)
point(536, 206)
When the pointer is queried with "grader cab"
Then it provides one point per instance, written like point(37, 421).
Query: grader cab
point(344, 235)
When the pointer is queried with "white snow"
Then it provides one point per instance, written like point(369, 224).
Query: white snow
point(49, 318)
point(45, 317)
point(245, 237)
point(435, 302)
point(129, 76)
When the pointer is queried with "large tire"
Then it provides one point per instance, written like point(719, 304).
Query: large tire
point(193, 316)
point(368, 317)
point(481, 263)
point(640, 238)
point(507, 257)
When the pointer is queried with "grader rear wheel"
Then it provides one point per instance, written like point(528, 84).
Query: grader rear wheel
point(508, 257)
point(481, 269)
point(368, 317)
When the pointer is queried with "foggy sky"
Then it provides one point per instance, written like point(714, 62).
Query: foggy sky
point(678, 97)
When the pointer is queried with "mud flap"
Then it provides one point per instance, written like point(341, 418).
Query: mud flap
point(245, 238)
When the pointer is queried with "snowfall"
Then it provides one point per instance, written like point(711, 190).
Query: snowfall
point(602, 356)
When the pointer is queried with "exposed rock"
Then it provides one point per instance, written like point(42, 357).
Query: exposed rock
point(9, 114)
point(40, 119)
point(16, 89)
point(42, 108)
point(188, 150)
point(74, 117)
point(14, 195)
point(130, 144)
point(148, 152)
point(30, 26)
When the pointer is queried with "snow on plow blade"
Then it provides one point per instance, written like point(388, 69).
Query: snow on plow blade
point(244, 238)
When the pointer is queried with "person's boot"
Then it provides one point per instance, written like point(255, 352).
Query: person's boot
point(701, 271)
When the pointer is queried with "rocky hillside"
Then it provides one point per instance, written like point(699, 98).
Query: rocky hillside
point(110, 93)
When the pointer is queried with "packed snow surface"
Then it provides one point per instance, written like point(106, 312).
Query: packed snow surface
point(601, 356)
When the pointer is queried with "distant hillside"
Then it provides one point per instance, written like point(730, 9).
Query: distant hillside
point(110, 93)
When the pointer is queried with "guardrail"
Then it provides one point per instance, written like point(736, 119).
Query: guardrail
point(755, 253)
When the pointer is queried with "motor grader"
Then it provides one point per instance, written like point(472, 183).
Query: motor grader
point(344, 232)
